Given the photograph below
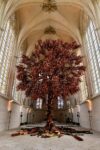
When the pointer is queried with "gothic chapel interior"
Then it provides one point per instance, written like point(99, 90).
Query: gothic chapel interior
point(28, 27)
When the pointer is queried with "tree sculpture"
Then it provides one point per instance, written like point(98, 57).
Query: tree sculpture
point(54, 69)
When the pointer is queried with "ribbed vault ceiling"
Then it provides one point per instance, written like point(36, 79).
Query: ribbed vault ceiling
point(33, 21)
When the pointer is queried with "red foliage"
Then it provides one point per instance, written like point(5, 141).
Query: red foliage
point(53, 63)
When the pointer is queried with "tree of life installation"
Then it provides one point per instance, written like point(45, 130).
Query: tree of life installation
point(54, 69)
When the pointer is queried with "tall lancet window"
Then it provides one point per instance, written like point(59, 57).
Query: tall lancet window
point(39, 103)
point(7, 40)
point(93, 51)
point(60, 102)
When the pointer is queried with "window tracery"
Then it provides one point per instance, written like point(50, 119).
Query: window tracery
point(93, 51)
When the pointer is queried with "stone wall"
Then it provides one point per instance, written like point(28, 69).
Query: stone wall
point(96, 114)
point(15, 115)
point(3, 114)
point(38, 116)
point(84, 114)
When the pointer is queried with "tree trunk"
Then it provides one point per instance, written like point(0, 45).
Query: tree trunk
point(50, 123)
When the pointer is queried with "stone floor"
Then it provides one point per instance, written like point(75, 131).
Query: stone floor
point(27, 142)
